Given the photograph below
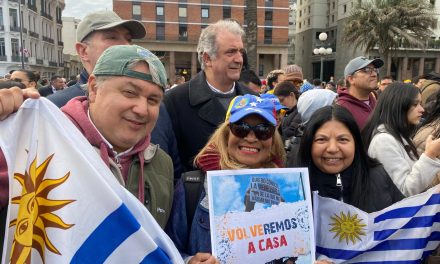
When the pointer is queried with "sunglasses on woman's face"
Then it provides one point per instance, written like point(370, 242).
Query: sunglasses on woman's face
point(262, 131)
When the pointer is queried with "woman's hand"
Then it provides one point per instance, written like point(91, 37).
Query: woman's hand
point(432, 148)
point(205, 258)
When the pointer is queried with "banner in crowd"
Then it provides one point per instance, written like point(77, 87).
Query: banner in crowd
point(404, 232)
point(261, 216)
point(65, 204)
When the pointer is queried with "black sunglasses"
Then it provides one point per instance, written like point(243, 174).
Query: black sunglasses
point(262, 131)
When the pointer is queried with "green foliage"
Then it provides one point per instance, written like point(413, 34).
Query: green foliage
point(389, 24)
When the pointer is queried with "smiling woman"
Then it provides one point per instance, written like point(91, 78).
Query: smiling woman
point(247, 139)
point(339, 166)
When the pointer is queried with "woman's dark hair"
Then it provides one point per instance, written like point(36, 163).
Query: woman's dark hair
point(392, 111)
point(30, 75)
point(284, 88)
point(361, 162)
point(432, 110)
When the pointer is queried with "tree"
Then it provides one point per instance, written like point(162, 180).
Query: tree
point(251, 33)
point(389, 25)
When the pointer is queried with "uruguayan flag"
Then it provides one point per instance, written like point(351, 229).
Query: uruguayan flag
point(404, 232)
point(65, 204)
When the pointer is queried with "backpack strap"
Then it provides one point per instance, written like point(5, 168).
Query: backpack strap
point(193, 185)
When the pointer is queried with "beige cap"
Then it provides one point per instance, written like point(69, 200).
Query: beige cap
point(107, 19)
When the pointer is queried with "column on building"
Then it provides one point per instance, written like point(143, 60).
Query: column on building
point(404, 68)
point(421, 66)
point(437, 65)
point(172, 67)
point(193, 64)
point(276, 61)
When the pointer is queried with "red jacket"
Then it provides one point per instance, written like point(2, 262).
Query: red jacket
point(360, 110)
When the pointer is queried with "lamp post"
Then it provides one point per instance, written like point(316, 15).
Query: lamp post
point(322, 51)
point(20, 17)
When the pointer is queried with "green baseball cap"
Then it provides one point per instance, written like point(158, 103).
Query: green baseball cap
point(115, 59)
point(102, 20)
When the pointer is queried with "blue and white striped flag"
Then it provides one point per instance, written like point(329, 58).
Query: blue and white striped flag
point(65, 204)
point(402, 233)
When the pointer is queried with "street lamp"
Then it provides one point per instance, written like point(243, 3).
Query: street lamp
point(322, 51)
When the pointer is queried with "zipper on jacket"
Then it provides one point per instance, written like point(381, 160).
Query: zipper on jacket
point(118, 163)
point(339, 184)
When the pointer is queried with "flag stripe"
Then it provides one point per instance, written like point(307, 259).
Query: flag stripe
point(415, 222)
point(157, 256)
point(406, 211)
point(119, 225)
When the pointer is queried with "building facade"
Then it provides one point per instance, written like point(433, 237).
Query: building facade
point(174, 26)
point(329, 16)
point(72, 62)
point(40, 24)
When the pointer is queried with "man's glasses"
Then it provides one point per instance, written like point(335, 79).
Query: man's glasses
point(262, 131)
point(369, 70)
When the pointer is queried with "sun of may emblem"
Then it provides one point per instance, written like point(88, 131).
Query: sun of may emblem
point(348, 227)
point(35, 213)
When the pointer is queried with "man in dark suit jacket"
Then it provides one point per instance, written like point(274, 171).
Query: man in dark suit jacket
point(56, 84)
point(197, 107)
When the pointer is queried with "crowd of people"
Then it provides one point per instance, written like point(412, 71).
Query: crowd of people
point(367, 141)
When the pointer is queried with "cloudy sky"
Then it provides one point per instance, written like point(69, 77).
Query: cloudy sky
point(80, 8)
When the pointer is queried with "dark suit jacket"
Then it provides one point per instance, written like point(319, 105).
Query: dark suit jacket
point(195, 114)
point(45, 90)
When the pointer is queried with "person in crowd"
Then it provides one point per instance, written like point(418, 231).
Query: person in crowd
point(384, 82)
point(317, 84)
point(331, 86)
point(279, 109)
point(247, 139)
point(431, 126)
point(338, 164)
point(418, 80)
point(26, 77)
point(387, 137)
point(125, 90)
point(96, 32)
point(197, 107)
point(273, 78)
point(288, 96)
point(428, 88)
point(361, 79)
point(308, 103)
point(250, 79)
point(56, 85)
point(294, 74)
point(179, 79)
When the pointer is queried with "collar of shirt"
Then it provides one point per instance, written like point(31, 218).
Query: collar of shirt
point(117, 155)
point(215, 90)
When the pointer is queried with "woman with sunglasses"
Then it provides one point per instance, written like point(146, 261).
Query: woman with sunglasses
point(339, 166)
point(387, 136)
point(247, 139)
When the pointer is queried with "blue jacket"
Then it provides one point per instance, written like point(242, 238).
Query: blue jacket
point(188, 241)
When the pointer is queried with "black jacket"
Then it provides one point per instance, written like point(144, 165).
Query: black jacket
point(195, 113)
point(381, 192)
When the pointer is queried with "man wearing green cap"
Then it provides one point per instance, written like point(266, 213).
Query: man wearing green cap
point(124, 94)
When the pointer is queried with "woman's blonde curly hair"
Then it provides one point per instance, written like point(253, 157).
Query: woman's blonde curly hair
point(219, 142)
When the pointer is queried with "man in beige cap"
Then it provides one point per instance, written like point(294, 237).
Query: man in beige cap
point(95, 33)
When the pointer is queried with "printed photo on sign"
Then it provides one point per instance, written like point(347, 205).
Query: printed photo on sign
point(261, 216)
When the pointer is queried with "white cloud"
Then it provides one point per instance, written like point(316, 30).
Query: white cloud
point(80, 8)
point(231, 199)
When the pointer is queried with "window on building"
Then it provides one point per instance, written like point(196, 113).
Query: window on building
point(1, 20)
point(183, 32)
point(226, 12)
point(182, 11)
point(205, 12)
point(345, 9)
point(268, 36)
point(2, 47)
point(308, 21)
point(268, 15)
point(310, 9)
point(13, 17)
point(160, 31)
point(333, 18)
point(136, 9)
point(159, 11)
point(300, 13)
point(333, 5)
point(15, 47)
